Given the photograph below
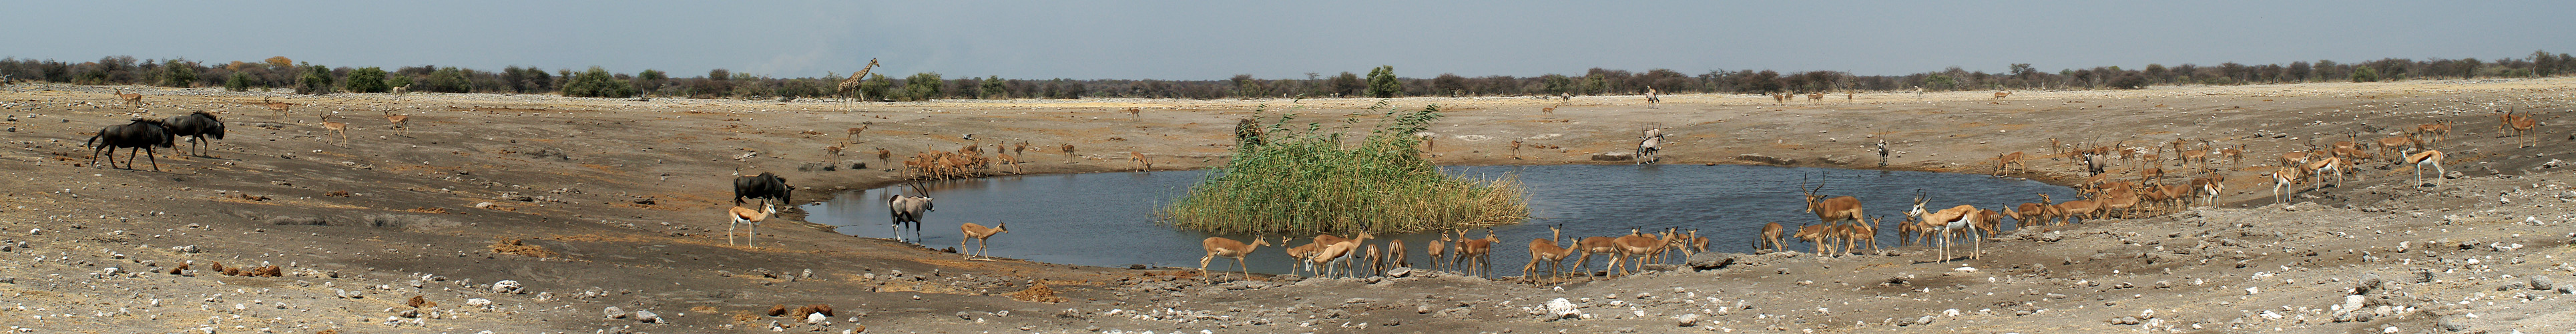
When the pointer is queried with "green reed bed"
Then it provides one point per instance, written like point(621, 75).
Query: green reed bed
point(1310, 180)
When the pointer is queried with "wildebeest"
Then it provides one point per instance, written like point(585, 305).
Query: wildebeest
point(766, 185)
point(907, 211)
point(198, 125)
point(142, 134)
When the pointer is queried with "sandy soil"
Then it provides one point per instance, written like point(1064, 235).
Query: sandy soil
point(525, 213)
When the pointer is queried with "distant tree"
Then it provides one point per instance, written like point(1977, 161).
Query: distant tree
point(279, 62)
point(398, 80)
point(1556, 84)
point(922, 87)
point(178, 73)
point(316, 80)
point(874, 87)
point(649, 81)
point(2365, 74)
point(1448, 84)
point(1345, 85)
point(367, 80)
point(1382, 84)
point(597, 82)
point(995, 88)
point(2129, 80)
point(446, 80)
point(239, 83)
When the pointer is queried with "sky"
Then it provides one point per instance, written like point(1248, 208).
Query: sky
point(1215, 40)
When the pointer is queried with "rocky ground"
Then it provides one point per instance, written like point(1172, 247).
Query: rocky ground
point(532, 213)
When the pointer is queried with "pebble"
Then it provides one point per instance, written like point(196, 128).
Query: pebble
point(1689, 320)
point(2542, 283)
point(1561, 309)
point(612, 312)
point(648, 317)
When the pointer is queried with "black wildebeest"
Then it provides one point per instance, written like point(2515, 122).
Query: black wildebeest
point(142, 134)
point(198, 125)
point(907, 212)
point(766, 185)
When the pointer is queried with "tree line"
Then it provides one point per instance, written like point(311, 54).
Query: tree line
point(1380, 82)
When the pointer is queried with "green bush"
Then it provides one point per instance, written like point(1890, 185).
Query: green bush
point(398, 81)
point(994, 89)
point(875, 87)
point(2131, 80)
point(922, 86)
point(239, 83)
point(316, 80)
point(1382, 83)
point(367, 80)
point(596, 82)
point(446, 80)
point(178, 73)
point(1289, 180)
point(2365, 74)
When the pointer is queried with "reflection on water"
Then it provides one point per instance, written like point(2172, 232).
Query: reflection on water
point(1106, 219)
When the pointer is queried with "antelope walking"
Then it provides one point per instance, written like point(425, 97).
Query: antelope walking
point(401, 123)
point(978, 232)
point(1220, 246)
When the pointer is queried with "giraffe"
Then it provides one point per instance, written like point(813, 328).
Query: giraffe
point(852, 83)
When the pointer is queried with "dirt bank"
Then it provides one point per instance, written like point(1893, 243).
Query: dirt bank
point(532, 213)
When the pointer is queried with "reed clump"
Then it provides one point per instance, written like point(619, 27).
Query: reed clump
point(1285, 179)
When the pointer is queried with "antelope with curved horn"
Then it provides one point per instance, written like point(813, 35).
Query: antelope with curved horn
point(2282, 179)
point(1830, 210)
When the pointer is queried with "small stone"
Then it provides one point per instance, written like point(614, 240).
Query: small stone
point(506, 286)
point(648, 317)
point(1689, 320)
point(479, 302)
point(2125, 321)
point(2542, 283)
point(614, 313)
point(815, 318)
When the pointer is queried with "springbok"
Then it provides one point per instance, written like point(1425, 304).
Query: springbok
point(1999, 96)
point(2323, 167)
point(750, 220)
point(2427, 157)
point(1220, 246)
point(2209, 187)
point(1068, 152)
point(1141, 163)
point(2438, 130)
point(979, 233)
point(1960, 218)
point(2282, 179)
point(854, 132)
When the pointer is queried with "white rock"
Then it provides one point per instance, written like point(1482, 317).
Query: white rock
point(506, 286)
point(1688, 320)
point(1560, 309)
point(648, 317)
point(2253, 290)
point(815, 318)
point(479, 302)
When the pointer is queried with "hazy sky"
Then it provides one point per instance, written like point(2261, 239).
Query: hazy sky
point(1202, 40)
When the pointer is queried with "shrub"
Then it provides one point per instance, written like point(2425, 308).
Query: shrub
point(239, 83)
point(922, 86)
point(2131, 80)
point(398, 80)
point(367, 80)
point(1382, 83)
point(596, 82)
point(2365, 74)
point(993, 88)
point(316, 80)
point(178, 73)
point(446, 80)
point(874, 88)
point(1287, 180)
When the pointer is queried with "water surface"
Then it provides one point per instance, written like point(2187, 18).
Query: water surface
point(1106, 219)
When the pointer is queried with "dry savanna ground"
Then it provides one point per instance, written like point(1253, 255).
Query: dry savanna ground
point(536, 213)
